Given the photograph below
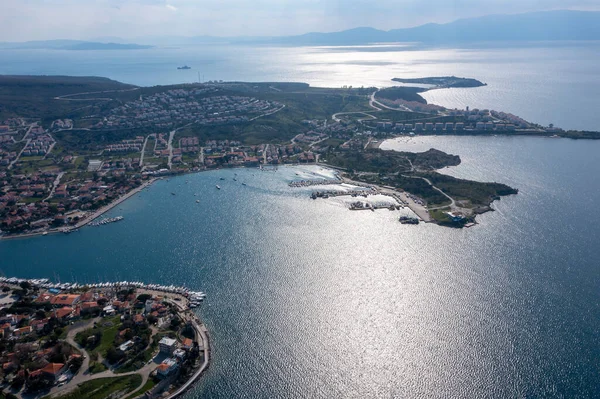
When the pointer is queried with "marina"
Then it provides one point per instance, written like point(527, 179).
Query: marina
point(195, 298)
point(104, 221)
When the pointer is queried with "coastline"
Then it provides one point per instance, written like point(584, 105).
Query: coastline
point(177, 297)
point(88, 219)
point(400, 196)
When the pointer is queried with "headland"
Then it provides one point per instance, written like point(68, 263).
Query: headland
point(127, 339)
point(72, 148)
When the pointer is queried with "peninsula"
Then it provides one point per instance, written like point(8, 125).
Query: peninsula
point(121, 339)
point(73, 147)
point(443, 81)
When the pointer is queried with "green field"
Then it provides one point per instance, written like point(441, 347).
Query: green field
point(103, 388)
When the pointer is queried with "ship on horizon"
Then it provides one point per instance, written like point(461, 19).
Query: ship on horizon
point(184, 67)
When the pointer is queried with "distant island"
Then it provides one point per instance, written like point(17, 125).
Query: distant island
point(72, 148)
point(71, 45)
point(442, 82)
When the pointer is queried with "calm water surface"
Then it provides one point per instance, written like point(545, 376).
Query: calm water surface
point(307, 299)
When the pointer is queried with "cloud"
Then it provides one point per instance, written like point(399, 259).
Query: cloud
point(22, 20)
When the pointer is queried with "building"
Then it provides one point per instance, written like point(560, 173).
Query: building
point(65, 300)
point(94, 165)
point(429, 127)
point(167, 367)
point(187, 343)
point(419, 126)
point(179, 354)
point(63, 313)
point(167, 345)
point(148, 305)
point(449, 126)
point(439, 127)
point(125, 346)
point(53, 370)
point(455, 216)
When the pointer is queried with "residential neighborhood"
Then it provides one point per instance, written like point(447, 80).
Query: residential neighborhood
point(52, 339)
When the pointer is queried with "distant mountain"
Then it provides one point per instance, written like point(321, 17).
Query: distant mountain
point(71, 45)
point(107, 46)
point(560, 25)
point(536, 26)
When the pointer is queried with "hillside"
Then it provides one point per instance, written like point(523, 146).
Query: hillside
point(32, 96)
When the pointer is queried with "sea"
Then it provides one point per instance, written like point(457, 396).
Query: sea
point(543, 82)
point(307, 299)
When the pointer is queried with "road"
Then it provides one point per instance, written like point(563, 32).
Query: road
point(54, 185)
point(336, 118)
point(170, 142)
point(144, 150)
point(268, 113)
point(373, 101)
point(265, 154)
point(83, 375)
point(452, 202)
point(64, 97)
point(19, 155)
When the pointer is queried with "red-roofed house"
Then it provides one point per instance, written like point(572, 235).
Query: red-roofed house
point(63, 313)
point(65, 300)
point(53, 370)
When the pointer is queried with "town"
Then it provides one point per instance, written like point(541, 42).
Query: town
point(131, 338)
point(59, 174)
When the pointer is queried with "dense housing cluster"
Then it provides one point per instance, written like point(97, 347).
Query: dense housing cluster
point(119, 327)
point(170, 108)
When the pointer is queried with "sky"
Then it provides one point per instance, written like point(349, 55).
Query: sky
point(22, 20)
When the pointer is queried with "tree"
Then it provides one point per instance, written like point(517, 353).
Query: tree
point(102, 302)
point(76, 363)
point(175, 322)
point(144, 297)
point(113, 355)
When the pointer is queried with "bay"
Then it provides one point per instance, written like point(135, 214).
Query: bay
point(307, 299)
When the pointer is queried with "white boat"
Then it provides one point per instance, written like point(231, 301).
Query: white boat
point(218, 187)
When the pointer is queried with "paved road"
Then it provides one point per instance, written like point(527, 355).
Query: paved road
point(373, 101)
point(83, 375)
point(170, 142)
point(265, 154)
point(54, 185)
point(64, 97)
point(452, 202)
point(268, 113)
point(143, 151)
point(336, 118)
point(19, 155)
